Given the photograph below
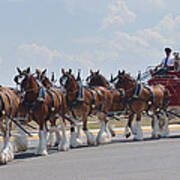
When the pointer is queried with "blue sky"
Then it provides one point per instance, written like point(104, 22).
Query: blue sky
point(86, 34)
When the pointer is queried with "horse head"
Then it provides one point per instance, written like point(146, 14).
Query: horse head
point(41, 76)
point(97, 79)
point(26, 80)
point(122, 80)
point(68, 81)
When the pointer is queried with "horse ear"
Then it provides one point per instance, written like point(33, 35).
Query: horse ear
point(111, 78)
point(62, 70)
point(139, 75)
point(91, 71)
point(19, 71)
point(78, 76)
point(70, 71)
point(52, 77)
point(28, 70)
point(44, 72)
point(97, 72)
point(123, 72)
point(119, 72)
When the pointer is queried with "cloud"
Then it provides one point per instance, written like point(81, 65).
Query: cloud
point(35, 56)
point(135, 50)
point(119, 14)
point(40, 52)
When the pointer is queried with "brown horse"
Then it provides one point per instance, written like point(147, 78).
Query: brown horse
point(42, 105)
point(75, 138)
point(140, 98)
point(95, 101)
point(9, 103)
point(49, 85)
point(96, 79)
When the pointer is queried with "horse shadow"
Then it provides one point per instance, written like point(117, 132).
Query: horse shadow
point(31, 151)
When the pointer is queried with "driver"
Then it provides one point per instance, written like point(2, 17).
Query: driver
point(167, 63)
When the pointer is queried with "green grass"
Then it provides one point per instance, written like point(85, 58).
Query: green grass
point(116, 124)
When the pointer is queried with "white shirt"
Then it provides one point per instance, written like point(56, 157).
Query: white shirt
point(170, 61)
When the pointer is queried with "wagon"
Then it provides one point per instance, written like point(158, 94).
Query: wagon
point(170, 79)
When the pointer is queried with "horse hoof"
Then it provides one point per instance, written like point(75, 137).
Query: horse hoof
point(42, 153)
point(56, 144)
point(113, 134)
point(128, 135)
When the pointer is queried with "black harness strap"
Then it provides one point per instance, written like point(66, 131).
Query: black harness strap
point(151, 96)
point(150, 101)
point(52, 99)
point(99, 97)
point(2, 105)
point(137, 90)
point(10, 104)
point(123, 97)
point(59, 98)
point(93, 102)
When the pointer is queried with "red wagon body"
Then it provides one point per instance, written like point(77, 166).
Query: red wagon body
point(172, 81)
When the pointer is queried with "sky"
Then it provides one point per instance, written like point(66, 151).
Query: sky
point(105, 35)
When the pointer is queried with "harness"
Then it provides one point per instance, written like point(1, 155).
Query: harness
point(2, 106)
point(136, 94)
point(93, 102)
point(3, 111)
point(39, 100)
point(73, 103)
point(123, 97)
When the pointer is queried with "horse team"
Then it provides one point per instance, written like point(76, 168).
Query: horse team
point(41, 101)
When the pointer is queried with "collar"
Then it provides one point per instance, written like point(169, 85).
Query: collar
point(137, 90)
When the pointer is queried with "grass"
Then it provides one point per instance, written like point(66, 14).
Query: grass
point(146, 121)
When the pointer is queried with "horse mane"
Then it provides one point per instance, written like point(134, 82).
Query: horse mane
point(128, 76)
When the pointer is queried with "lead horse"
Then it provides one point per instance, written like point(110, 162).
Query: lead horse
point(140, 98)
point(42, 105)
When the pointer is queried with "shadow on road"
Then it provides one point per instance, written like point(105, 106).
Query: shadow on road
point(31, 151)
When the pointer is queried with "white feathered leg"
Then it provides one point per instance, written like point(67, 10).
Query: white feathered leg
point(91, 140)
point(165, 132)
point(110, 126)
point(20, 141)
point(79, 135)
point(7, 152)
point(42, 148)
point(75, 139)
point(58, 137)
point(50, 141)
point(155, 131)
point(107, 129)
point(53, 140)
point(127, 132)
point(101, 137)
point(139, 134)
point(64, 144)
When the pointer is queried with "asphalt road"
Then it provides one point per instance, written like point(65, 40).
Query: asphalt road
point(122, 159)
